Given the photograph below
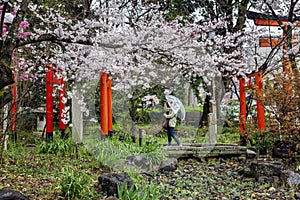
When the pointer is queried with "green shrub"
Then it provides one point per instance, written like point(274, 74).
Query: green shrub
point(74, 184)
point(139, 192)
point(57, 146)
point(113, 153)
point(263, 140)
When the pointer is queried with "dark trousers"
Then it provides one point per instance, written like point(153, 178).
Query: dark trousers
point(171, 134)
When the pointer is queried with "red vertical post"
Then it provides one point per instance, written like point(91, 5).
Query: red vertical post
point(103, 104)
point(14, 109)
point(62, 125)
point(109, 105)
point(49, 104)
point(260, 107)
point(243, 109)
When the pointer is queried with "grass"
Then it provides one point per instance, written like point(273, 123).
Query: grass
point(43, 175)
point(66, 174)
point(56, 170)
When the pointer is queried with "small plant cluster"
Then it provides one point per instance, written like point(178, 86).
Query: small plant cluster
point(58, 146)
point(111, 152)
point(74, 184)
point(139, 192)
point(264, 141)
point(282, 103)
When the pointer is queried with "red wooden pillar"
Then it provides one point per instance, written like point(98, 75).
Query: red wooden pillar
point(49, 104)
point(14, 109)
point(62, 125)
point(243, 108)
point(109, 105)
point(260, 107)
point(103, 104)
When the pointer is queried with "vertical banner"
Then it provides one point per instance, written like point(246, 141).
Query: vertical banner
point(260, 107)
point(103, 104)
point(243, 110)
point(49, 104)
point(62, 125)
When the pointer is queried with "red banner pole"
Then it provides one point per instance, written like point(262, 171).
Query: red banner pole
point(260, 107)
point(49, 104)
point(62, 125)
point(243, 109)
point(103, 104)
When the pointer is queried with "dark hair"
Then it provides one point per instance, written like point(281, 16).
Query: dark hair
point(168, 105)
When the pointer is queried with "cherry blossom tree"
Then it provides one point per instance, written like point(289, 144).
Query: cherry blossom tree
point(132, 42)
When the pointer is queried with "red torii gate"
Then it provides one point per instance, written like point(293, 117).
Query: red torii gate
point(243, 101)
point(261, 20)
point(52, 79)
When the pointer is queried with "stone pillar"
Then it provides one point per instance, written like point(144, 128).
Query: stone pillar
point(77, 121)
point(212, 129)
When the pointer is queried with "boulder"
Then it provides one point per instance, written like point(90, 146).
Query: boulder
point(11, 195)
point(257, 169)
point(291, 178)
point(168, 165)
point(109, 183)
point(281, 149)
point(138, 160)
point(269, 171)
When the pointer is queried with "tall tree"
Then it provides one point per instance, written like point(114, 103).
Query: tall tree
point(127, 40)
point(230, 17)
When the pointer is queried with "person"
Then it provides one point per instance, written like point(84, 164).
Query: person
point(169, 114)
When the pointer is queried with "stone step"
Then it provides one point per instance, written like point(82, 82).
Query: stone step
point(209, 150)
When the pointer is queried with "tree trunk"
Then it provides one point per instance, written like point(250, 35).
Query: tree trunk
point(5, 97)
point(204, 119)
point(219, 92)
point(6, 78)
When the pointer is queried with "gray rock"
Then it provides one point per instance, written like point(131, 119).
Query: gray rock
point(258, 169)
point(11, 195)
point(291, 178)
point(268, 171)
point(236, 197)
point(250, 153)
point(109, 183)
point(168, 165)
point(139, 160)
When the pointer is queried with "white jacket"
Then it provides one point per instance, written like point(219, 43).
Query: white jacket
point(171, 115)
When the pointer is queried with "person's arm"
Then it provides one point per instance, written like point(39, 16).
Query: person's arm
point(166, 107)
point(170, 115)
